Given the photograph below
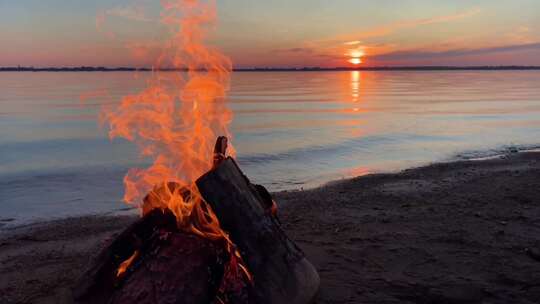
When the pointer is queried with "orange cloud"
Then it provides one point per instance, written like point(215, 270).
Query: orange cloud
point(522, 34)
point(338, 45)
point(388, 29)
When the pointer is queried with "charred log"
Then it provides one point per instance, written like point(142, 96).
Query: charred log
point(98, 282)
point(186, 269)
point(170, 267)
point(281, 274)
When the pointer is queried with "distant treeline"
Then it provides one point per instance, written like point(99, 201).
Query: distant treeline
point(284, 69)
point(71, 69)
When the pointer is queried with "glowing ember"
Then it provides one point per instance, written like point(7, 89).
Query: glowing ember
point(176, 120)
point(125, 264)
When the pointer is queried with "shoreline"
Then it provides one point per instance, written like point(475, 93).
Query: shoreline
point(448, 232)
point(10, 223)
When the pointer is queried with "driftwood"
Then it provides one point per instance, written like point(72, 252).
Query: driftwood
point(281, 273)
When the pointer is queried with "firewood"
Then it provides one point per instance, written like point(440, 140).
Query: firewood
point(281, 273)
point(171, 266)
point(98, 281)
point(187, 269)
point(220, 150)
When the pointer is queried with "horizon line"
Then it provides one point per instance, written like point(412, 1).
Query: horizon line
point(267, 69)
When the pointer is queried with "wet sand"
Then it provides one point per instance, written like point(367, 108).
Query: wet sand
point(462, 232)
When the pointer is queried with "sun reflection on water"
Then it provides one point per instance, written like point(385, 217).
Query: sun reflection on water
point(355, 85)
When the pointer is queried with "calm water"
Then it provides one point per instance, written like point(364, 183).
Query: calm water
point(292, 130)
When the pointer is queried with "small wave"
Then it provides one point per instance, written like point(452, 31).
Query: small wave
point(501, 151)
point(351, 145)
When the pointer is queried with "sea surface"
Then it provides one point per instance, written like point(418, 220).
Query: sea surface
point(292, 130)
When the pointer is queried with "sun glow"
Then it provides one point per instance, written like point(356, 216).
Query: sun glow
point(355, 60)
point(356, 53)
point(355, 56)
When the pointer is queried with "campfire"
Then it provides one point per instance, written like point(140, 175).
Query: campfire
point(207, 234)
point(156, 260)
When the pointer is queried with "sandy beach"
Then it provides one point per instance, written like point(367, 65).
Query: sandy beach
point(460, 232)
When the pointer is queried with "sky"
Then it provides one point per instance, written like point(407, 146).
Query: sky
point(279, 33)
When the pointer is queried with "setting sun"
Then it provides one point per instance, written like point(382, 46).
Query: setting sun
point(355, 56)
point(355, 60)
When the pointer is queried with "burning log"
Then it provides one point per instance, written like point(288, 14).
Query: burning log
point(168, 264)
point(281, 273)
point(155, 261)
point(98, 282)
point(188, 269)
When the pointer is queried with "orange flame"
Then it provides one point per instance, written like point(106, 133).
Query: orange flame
point(175, 122)
point(176, 119)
